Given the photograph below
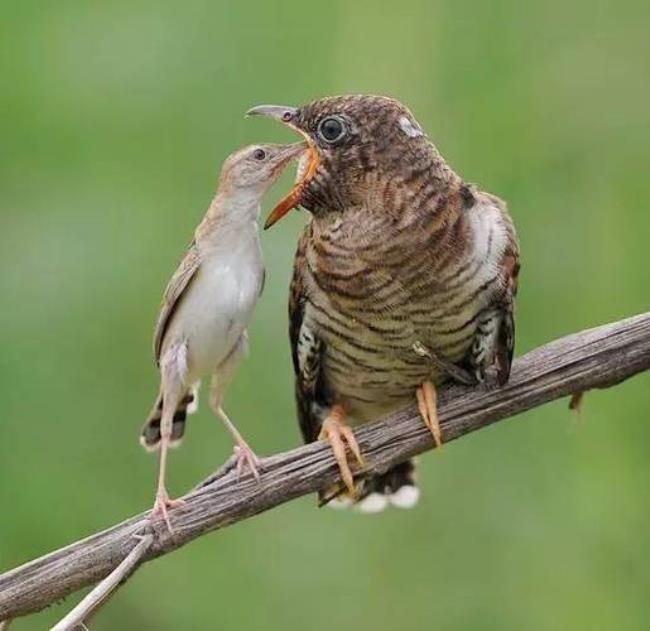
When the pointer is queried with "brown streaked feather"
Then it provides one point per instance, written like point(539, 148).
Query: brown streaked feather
point(178, 285)
point(307, 390)
point(506, 338)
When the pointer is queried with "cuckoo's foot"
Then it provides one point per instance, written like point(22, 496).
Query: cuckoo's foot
point(162, 504)
point(428, 406)
point(338, 433)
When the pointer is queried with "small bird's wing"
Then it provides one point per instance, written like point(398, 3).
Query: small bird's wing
point(174, 293)
point(306, 350)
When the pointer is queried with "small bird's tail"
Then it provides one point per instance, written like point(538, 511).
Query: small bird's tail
point(397, 487)
point(150, 436)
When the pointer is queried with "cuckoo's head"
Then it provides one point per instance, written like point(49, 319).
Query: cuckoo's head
point(356, 143)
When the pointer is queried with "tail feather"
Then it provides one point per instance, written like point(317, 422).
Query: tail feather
point(150, 435)
point(397, 487)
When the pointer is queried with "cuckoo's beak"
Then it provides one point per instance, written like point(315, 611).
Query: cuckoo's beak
point(281, 113)
point(288, 116)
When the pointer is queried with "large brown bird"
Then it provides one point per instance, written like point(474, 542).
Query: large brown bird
point(404, 277)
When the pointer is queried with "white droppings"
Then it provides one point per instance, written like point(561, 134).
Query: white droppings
point(374, 503)
point(411, 129)
point(405, 497)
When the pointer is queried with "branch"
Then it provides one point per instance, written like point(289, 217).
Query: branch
point(596, 358)
point(104, 590)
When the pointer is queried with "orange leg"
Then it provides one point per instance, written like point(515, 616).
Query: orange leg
point(337, 433)
point(428, 405)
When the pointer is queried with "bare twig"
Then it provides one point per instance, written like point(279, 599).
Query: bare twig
point(596, 358)
point(104, 590)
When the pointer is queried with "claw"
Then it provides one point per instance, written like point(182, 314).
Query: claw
point(162, 503)
point(245, 458)
point(337, 433)
point(428, 406)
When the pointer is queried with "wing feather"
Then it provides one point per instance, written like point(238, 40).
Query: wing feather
point(306, 349)
point(176, 289)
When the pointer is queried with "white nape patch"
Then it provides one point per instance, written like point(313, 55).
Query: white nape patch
point(374, 503)
point(405, 497)
point(340, 503)
point(193, 407)
point(409, 128)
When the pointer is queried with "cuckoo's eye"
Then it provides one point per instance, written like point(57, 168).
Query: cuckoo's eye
point(332, 129)
point(259, 154)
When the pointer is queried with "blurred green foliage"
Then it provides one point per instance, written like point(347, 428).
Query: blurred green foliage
point(114, 120)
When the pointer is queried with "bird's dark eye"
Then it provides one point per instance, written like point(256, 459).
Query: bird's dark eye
point(259, 154)
point(331, 129)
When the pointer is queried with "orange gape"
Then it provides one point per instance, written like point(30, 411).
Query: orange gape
point(292, 199)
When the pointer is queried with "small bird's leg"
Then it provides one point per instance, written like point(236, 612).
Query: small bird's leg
point(163, 501)
point(428, 405)
point(173, 365)
point(243, 453)
point(337, 433)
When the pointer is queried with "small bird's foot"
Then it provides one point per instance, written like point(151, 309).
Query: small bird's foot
point(428, 406)
point(162, 504)
point(245, 458)
point(337, 433)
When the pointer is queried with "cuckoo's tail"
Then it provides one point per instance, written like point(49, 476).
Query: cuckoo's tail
point(397, 487)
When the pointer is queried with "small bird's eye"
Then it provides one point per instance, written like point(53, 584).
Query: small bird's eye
point(259, 154)
point(331, 129)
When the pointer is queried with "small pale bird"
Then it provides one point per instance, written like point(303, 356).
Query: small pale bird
point(208, 303)
point(404, 277)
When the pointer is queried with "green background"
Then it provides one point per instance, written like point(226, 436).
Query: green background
point(114, 119)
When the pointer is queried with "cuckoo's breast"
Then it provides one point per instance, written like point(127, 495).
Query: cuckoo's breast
point(372, 295)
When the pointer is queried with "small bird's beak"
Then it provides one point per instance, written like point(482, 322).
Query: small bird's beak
point(287, 115)
point(288, 153)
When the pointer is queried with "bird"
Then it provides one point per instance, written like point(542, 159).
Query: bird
point(207, 306)
point(404, 278)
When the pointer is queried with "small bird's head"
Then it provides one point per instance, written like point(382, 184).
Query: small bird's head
point(255, 168)
point(355, 143)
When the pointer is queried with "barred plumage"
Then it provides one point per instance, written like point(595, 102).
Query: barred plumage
point(400, 254)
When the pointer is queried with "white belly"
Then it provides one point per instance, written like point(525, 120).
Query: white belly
point(217, 309)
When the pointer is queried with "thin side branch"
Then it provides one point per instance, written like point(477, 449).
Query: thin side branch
point(104, 590)
point(597, 358)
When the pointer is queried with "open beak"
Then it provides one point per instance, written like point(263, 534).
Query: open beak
point(287, 154)
point(287, 115)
